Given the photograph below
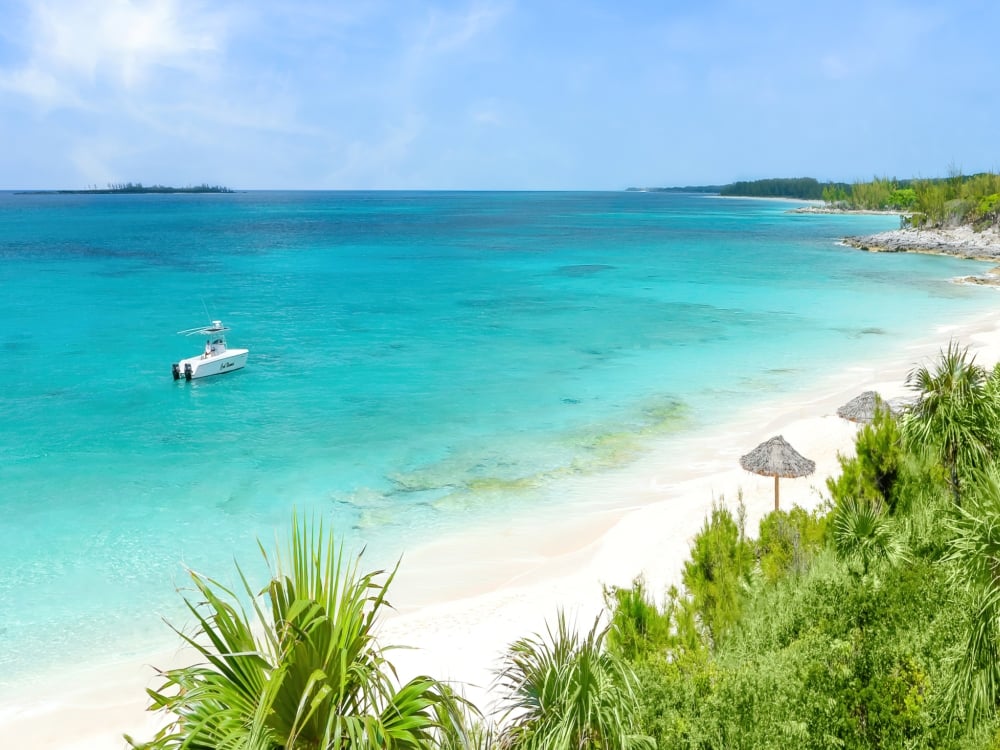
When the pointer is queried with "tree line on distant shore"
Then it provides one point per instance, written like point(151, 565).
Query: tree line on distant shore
point(805, 188)
point(136, 187)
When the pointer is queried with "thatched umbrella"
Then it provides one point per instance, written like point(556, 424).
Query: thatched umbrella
point(862, 408)
point(902, 404)
point(776, 458)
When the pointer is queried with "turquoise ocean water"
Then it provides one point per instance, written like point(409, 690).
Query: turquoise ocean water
point(419, 361)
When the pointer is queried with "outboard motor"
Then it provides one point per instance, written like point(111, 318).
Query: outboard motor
point(187, 371)
point(177, 371)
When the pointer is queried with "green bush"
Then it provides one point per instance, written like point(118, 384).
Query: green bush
point(638, 628)
point(873, 471)
point(788, 540)
point(721, 563)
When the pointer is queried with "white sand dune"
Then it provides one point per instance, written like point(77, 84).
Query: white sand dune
point(461, 600)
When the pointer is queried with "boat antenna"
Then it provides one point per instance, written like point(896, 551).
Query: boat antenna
point(207, 316)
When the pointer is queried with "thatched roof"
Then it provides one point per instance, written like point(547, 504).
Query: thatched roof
point(776, 458)
point(901, 404)
point(862, 408)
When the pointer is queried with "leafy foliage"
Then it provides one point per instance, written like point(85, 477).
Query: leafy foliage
point(566, 692)
point(875, 468)
point(788, 540)
point(815, 662)
point(720, 565)
point(871, 622)
point(303, 672)
point(863, 534)
point(954, 415)
point(638, 628)
point(974, 687)
point(954, 199)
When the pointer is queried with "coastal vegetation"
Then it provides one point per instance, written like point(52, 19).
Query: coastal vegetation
point(298, 665)
point(953, 200)
point(299, 668)
point(872, 621)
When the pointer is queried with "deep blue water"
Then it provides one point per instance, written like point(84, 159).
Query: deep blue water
point(419, 361)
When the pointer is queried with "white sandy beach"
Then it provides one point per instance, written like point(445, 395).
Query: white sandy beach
point(461, 600)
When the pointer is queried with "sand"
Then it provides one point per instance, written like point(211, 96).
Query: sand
point(459, 601)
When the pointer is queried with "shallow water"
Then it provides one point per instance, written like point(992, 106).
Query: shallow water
point(419, 362)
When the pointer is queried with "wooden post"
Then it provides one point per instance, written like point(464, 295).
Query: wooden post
point(775, 491)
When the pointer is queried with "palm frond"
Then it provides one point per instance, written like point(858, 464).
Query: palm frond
point(973, 557)
point(304, 669)
point(957, 413)
point(863, 534)
point(566, 692)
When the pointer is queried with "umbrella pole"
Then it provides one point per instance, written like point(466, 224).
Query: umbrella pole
point(775, 491)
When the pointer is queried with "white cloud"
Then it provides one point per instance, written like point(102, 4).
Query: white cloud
point(40, 85)
point(444, 33)
point(77, 44)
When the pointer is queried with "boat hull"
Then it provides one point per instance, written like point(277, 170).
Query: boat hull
point(202, 367)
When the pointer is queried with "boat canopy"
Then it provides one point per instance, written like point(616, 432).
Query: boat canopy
point(216, 327)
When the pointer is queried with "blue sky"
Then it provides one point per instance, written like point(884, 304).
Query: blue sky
point(498, 94)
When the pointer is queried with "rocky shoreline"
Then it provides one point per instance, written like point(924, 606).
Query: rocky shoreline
point(961, 242)
point(822, 208)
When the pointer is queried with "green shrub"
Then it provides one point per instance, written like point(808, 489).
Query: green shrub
point(873, 471)
point(638, 627)
point(787, 541)
point(721, 563)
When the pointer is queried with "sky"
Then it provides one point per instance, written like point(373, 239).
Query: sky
point(492, 94)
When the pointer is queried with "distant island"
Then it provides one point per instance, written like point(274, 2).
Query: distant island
point(688, 189)
point(132, 188)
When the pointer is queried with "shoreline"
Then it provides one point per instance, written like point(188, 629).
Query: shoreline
point(961, 242)
point(667, 496)
point(820, 207)
point(460, 600)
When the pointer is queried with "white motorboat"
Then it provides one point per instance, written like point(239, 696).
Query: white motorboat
point(217, 357)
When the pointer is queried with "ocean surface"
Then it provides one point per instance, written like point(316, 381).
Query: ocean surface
point(419, 363)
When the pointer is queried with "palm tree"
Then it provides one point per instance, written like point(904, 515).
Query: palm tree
point(862, 533)
point(955, 414)
point(974, 555)
point(303, 672)
point(565, 692)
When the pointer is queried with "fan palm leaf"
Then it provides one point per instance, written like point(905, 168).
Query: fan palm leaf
point(956, 413)
point(863, 534)
point(566, 692)
point(974, 558)
point(301, 669)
